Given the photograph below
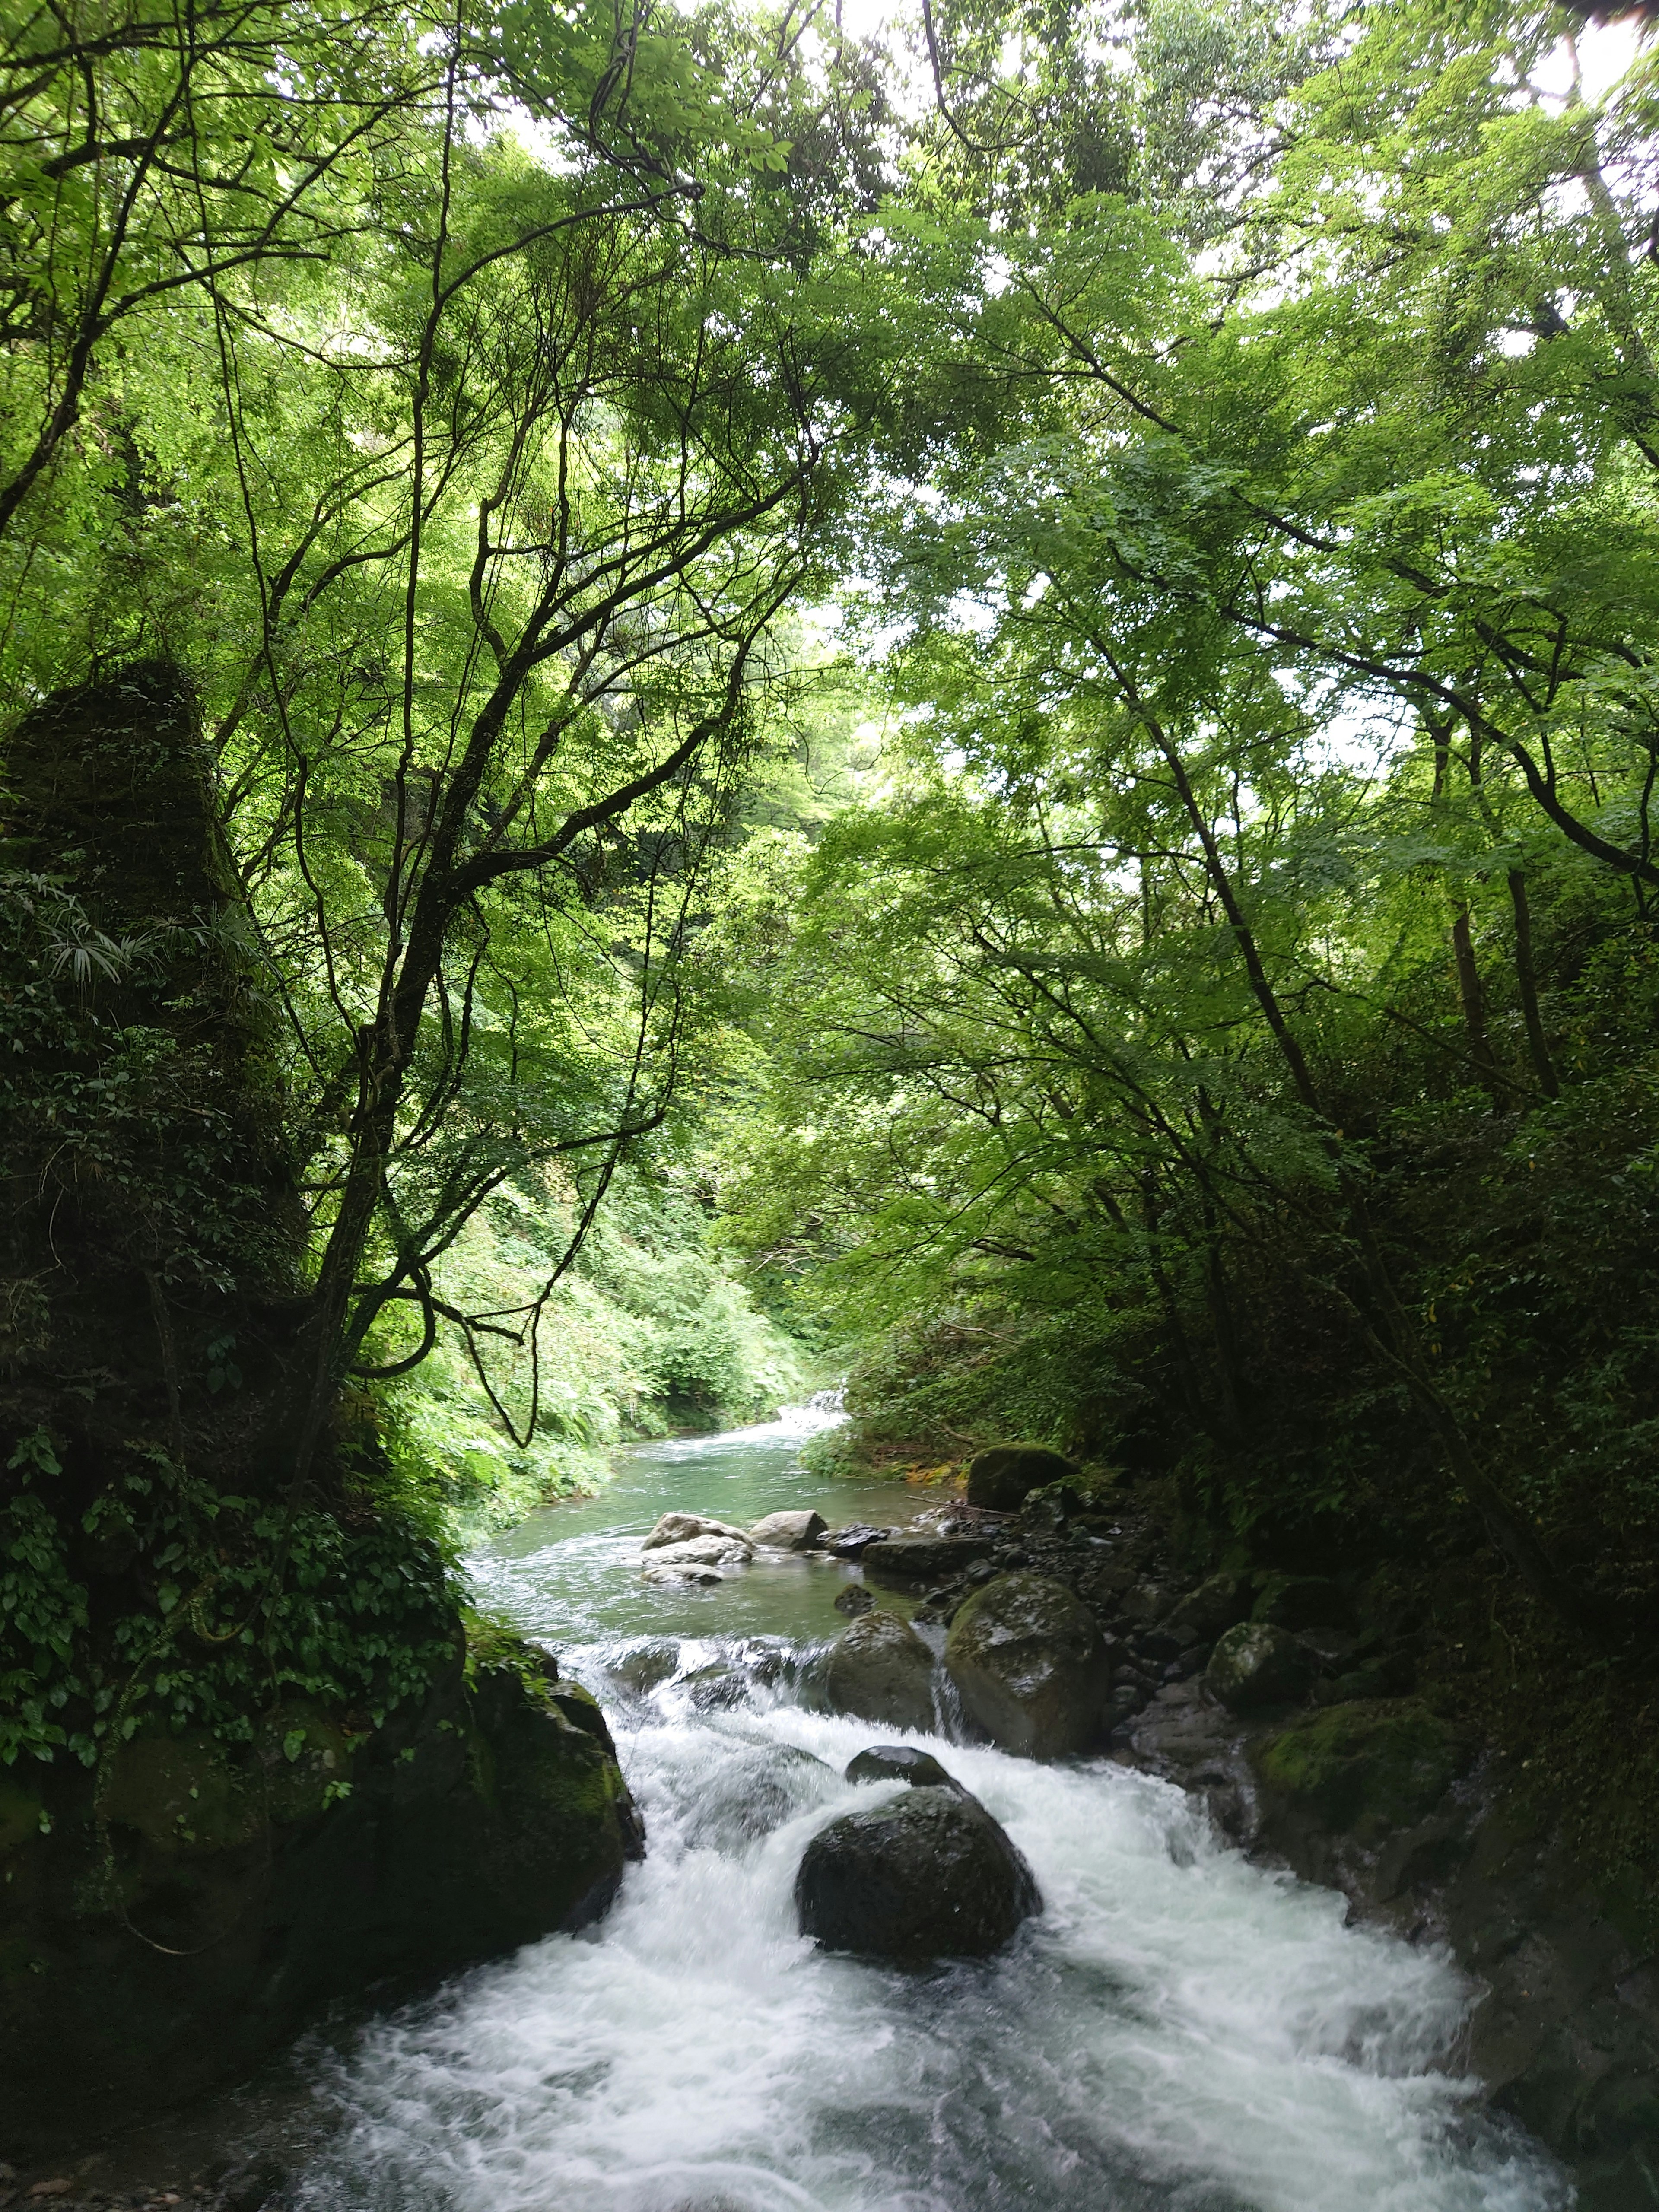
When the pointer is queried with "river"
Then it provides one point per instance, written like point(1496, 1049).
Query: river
point(1179, 2032)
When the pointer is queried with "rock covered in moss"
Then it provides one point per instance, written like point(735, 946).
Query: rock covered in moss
point(927, 1874)
point(1000, 1479)
point(880, 1670)
point(1365, 1769)
point(1028, 1661)
point(166, 1922)
point(1255, 1664)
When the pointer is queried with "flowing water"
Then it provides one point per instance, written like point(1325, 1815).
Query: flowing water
point(1179, 2032)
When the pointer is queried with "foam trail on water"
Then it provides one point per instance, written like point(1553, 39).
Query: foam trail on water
point(1180, 2031)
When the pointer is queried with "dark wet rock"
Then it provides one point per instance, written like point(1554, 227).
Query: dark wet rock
point(900, 1762)
point(1050, 1511)
point(1146, 1602)
point(1217, 1605)
point(248, 2187)
point(684, 1527)
point(853, 1600)
point(788, 1532)
point(1000, 1481)
point(880, 1669)
point(645, 1666)
point(850, 1542)
point(927, 1874)
point(1254, 1665)
point(911, 1560)
point(1029, 1665)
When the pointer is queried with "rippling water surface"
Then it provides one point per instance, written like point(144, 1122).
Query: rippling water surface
point(1179, 2032)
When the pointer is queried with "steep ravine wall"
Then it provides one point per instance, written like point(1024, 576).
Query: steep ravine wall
point(249, 1766)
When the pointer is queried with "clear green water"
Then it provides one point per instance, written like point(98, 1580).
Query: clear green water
point(570, 1574)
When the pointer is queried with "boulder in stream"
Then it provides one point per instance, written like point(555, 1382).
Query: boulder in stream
point(925, 1874)
point(710, 1551)
point(684, 1527)
point(788, 1532)
point(881, 1670)
point(1028, 1661)
point(900, 1762)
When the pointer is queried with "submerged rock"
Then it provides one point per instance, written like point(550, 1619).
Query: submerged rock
point(682, 1527)
point(853, 1600)
point(1256, 1664)
point(1030, 1668)
point(1000, 1481)
point(925, 1874)
point(881, 1670)
point(788, 1532)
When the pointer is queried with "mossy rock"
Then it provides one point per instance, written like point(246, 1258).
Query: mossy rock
point(306, 1754)
point(1364, 1769)
point(1000, 1481)
point(1255, 1664)
point(182, 1795)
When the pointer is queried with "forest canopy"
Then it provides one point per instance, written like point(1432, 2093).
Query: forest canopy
point(1005, 671)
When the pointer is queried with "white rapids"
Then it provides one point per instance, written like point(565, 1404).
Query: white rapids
point(1180, 2031)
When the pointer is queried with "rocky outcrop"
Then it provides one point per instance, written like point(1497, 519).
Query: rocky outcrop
point(1029, 1665)
point(253, 1772)
point(1386, 1801)
point(880, 1670)
point(165, 1924)
point(927, 1874)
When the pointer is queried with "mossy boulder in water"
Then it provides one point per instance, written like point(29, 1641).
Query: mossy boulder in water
point(927, 1874)
point(1028, 1661)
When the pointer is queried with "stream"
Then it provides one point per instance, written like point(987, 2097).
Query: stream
point(1179, 2030)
